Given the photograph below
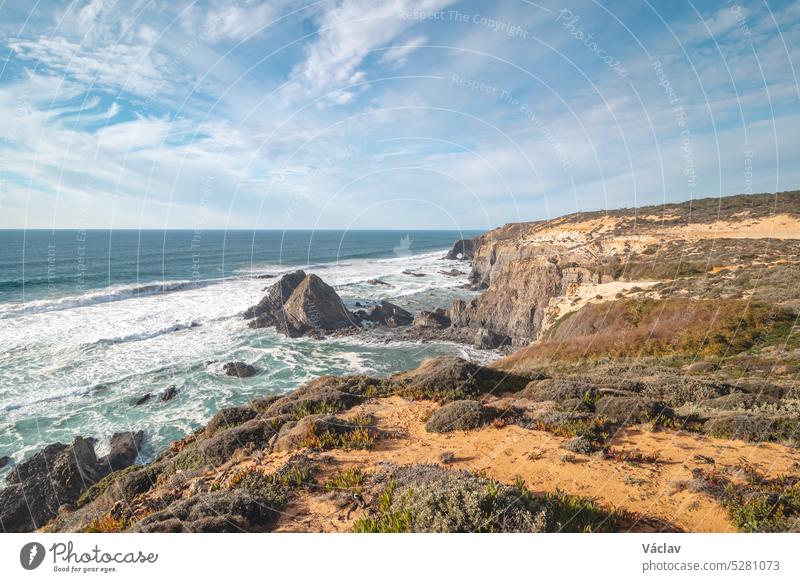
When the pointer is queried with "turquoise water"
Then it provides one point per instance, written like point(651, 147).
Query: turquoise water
point(92, 320)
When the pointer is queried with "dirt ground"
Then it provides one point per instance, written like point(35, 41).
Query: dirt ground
point(650, 490)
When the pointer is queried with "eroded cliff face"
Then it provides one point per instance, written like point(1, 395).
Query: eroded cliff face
point(531, 273)
point(523, 267)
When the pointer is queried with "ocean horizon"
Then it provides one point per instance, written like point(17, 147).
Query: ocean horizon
point(95, 319)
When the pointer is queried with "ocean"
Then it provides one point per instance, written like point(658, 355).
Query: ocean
point(92, 320)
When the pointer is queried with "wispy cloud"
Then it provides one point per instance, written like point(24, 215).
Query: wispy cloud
point(470, 114)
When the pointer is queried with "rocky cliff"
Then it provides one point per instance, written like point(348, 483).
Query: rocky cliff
point(527, 270)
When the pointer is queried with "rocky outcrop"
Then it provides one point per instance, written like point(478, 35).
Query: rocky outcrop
point(515, 303)
point(218, 512)
point(314, 308)
point(463, 250)
point(488, 340)
point(239, 369)
point(386, 313)
point(267, 310)
point(436, 319)
point(446, 378)
point(300, 304)
point(56, 476)
point(125, 448)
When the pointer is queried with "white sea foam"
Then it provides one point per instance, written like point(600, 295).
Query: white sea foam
point(73, 365)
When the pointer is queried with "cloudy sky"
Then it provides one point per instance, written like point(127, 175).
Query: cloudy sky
point(387, 114)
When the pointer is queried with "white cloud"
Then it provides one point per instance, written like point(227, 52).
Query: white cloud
point(348, 31)
point(119, 66)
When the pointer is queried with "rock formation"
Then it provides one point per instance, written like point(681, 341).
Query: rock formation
point(300, 304)
point(56, 476)
point(386, 313)
point(239, 369)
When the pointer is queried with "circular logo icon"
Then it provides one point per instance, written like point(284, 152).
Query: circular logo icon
point(31, 555)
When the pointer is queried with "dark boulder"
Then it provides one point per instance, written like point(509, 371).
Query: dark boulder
point(387, 314)
point(124, 450)
point(169, 393)
point(314, 307)
point(142, 399)
point(239, 369)
point(458, 415)
point(488, 340)
point(378, 282)
point(4, 460)
point(437, 319)
point(38, 487)
point(301, 304)
point(277, 294)
point(230, 417)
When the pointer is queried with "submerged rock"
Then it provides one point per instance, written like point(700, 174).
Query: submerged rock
point(142, 399)
point(4, 460)
point(169, 393)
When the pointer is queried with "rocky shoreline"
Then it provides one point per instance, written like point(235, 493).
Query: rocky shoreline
point(619, 327)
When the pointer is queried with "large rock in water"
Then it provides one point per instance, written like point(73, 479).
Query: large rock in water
point(56, 476)
point(301, 304)
point(267, 310)
point(314, 307)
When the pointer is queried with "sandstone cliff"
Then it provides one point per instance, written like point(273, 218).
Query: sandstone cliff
point(527, 269)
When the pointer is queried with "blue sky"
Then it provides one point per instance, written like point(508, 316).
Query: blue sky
point(387, 114)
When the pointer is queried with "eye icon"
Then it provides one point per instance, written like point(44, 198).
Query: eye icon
point(31, 555)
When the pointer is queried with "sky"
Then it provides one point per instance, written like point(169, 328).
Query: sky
point(403, 114)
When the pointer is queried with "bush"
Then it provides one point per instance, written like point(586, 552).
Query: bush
point(458, 415)
point(579, 444)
